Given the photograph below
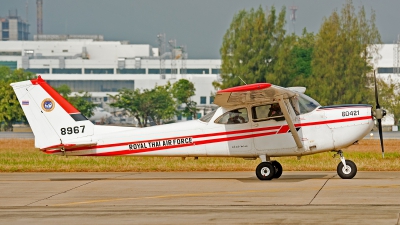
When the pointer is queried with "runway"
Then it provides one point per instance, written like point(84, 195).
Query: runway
point(199, 198)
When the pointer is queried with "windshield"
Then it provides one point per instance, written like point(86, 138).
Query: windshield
point(307, 104)
point(206, 118)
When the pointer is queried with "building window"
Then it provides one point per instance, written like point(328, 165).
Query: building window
point(11, 53)
point(29, 52)
point(386, 69)
point(198, 71)
point(5, 25)
point(131, 71)
point(198, 115)
point(178, 117)
point(203, 100)
point(157, 71)
point(40, 71)
point(215, 71)
point(189, 118)
point(5, 35)
point(67, 71)
point(94, 85)
point(211, 99)
point(99, 71)
point(11, 64)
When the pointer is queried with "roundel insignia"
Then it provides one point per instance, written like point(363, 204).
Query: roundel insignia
point(48, 104)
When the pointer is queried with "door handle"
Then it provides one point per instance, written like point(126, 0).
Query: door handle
point(256, 124)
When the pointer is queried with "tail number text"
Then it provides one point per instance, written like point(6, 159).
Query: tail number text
point(351, 113)
point(73, 130)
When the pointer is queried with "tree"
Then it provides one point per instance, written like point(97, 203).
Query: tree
point(250, 47)
point(130, 101)
point(81, 100)
point(389, 97)
point(294, 67)
point(163, 103)
point(182, 91)
point(156, 104)
point(10, 108)
point(344, 44)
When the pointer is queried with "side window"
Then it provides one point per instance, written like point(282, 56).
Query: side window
point(266, 112)
point(260, 112)
point(235, 116)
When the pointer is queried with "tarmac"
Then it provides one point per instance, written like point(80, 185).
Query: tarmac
point(199, 198)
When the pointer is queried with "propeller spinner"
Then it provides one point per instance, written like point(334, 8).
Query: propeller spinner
point(379, 114)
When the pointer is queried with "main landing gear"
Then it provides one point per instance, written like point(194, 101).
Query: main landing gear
point(346, 169)
point(268, 170)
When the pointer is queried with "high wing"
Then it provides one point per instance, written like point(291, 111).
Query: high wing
point(257, 93)
point(253, 93)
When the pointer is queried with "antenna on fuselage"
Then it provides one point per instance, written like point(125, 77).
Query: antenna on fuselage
point(242, 80)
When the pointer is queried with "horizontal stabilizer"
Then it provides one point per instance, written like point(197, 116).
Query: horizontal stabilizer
point(68, 146)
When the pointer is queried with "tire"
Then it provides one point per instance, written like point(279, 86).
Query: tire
point(350, 173)
point(265, 171)
point(278, 169)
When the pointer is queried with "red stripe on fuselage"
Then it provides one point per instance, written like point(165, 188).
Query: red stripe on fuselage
point(127, 152)
point(171, 138)
point(282, 129)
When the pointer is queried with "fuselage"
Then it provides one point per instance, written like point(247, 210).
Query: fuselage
point(321, 129)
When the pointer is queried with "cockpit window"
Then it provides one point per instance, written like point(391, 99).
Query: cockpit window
point(307, 104)
point(206, 118)
point(235, 116)
point(267, 112)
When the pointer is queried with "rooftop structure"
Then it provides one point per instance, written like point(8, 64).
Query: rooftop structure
point(13, 28)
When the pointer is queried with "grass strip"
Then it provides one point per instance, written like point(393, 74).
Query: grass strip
point(19, 155)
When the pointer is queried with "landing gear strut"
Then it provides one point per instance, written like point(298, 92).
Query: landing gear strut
point(346, 169)
point(269, 170)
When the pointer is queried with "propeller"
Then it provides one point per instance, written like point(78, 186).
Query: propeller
point(379, 114)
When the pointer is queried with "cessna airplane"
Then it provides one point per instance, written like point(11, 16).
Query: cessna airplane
point(253, 121)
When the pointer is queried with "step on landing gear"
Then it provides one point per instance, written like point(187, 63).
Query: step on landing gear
point(346, 169)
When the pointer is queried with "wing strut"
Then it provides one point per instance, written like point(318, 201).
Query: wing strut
point(290, 123)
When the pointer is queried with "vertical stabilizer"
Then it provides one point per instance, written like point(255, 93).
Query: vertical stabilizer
point(53, 119)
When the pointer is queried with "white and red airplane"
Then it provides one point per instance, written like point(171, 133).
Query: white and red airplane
point(253, 121)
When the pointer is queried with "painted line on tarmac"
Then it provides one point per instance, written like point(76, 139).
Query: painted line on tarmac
point(396, 186)
point(180, 195)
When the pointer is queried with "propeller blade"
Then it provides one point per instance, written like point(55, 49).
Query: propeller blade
point(376, 93)
point(381, 137)
point(380, 114)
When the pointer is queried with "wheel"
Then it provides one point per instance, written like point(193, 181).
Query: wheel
point(265, 171)
point(278, 169)
point(349, 172)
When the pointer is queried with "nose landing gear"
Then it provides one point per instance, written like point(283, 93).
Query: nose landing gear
point(346, 169)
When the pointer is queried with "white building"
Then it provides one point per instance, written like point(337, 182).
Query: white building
point(104, 67)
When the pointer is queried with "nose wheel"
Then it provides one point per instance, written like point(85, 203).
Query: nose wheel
point(346, 169)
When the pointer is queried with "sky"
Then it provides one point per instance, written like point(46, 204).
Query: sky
point(197, 24)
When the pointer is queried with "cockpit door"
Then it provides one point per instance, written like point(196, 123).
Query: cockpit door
point(270, 129)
